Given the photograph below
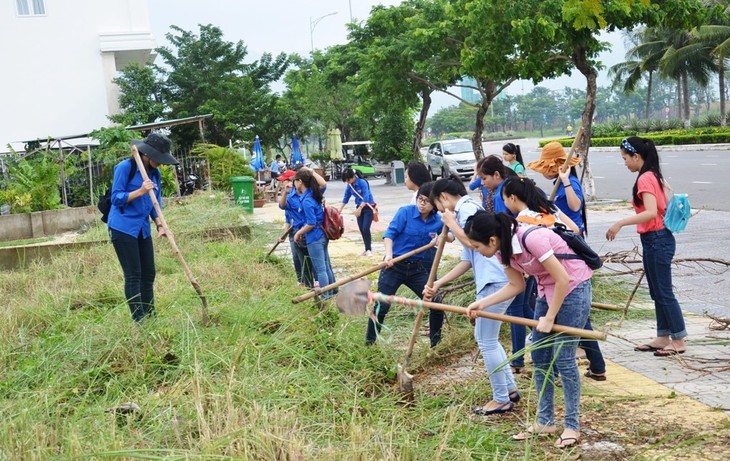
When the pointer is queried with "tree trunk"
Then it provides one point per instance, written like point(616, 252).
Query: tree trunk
point(685, 95)
point(648, 95)
point(582, 145)
point(476, 139)
point(418, 135)
point(679, 98)
point(721, 84)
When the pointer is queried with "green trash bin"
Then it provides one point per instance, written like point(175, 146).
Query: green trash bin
point(243, 192)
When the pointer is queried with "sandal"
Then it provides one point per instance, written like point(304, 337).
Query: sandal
point(566, 442)
point(667, 352)
point(647, 348)
point(595, 376)
point(534, 430)
point(503, 408)
point(514, 396)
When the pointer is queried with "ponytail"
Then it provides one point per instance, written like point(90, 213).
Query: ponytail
point(451, 185)
point(647, 150)
point(526, 191)
point(482, 226)
point(514, 149)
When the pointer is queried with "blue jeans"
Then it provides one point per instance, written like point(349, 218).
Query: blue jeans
point(556, 350)
point(593, 352)
point(302, 265)
point(486, 333)
point(414, 275)
point(363, 223)
point(320, 258)
point(658, 251)
point(137, 258)
point(522, 306)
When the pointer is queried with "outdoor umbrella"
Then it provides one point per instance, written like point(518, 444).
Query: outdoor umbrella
point(257, 158)
point(334, 144)
point(296, 152)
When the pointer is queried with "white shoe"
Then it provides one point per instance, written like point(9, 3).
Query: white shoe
point(528, 339)
point(366, 253)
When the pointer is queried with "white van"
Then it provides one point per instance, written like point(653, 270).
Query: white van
point(451, 156)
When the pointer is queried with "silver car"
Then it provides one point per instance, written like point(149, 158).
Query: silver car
point(451, 156)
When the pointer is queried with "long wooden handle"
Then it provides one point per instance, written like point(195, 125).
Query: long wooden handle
point(421, 312)
point(283, 236)
point(171, 239)
point(501, 317)
point(566, 165)
point(349, 279)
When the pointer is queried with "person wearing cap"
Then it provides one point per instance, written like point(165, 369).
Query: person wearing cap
point(129, 221)
point(569, 197)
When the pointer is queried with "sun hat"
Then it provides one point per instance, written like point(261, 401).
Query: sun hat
point(286, 175)
point(552, 158)
point(157, 147)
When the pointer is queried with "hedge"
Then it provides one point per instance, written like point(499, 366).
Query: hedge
point(658, 138)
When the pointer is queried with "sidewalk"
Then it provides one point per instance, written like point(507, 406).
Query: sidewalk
point(702, 374)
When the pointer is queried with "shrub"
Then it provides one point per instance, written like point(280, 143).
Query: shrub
point(223, 163)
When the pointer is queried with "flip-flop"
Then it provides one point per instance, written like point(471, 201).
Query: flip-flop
point(532, 431)
point(667, 352)
point(566, 442)
point(647, 348)
point(594, 376)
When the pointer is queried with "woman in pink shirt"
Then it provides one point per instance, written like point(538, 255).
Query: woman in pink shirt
point(657, 242)
point(564, 298)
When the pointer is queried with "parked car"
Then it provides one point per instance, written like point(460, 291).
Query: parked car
point(451, 156)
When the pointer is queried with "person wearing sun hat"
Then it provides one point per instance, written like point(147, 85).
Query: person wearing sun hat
point(129, 221)
point(569, 197)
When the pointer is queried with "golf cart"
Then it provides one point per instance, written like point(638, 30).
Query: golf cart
point(358, 156)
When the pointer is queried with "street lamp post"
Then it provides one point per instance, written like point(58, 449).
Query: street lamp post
point(313, 23)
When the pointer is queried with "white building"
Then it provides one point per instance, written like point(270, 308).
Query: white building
point(57, 62)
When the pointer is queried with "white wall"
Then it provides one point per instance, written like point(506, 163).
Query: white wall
point(54, 79)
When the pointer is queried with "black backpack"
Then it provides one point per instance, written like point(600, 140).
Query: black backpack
point(576, 242)
point(105, 201)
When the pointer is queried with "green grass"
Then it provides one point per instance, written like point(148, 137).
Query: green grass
point(266, 380)
point(25, 242)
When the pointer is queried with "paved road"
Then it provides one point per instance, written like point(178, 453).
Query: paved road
point(698, 172)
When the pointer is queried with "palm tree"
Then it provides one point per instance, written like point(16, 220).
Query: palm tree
point(717, 35)
point(643, 57)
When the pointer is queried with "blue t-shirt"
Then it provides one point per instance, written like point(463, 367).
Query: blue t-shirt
point(486, 270)
point(291, 210)
point(409, 231)
point(133, 217)
point(361, 187)
point(313, 216)
point(561, 201)
point(274, 168)
point(499, 205)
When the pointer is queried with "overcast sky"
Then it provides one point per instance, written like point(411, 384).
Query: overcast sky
point(277, 26)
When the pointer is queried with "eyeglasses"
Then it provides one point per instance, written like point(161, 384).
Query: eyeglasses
point(423, 199)
point(627, 146)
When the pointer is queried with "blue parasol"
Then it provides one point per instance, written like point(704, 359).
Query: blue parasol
point(257, 156)
point(296, 152)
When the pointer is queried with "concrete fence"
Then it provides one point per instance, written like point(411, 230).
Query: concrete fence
point(45, 223)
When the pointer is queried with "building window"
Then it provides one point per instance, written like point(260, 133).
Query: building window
point(30, 7)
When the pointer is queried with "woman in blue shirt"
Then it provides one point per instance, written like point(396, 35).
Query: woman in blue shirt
point(310, 207)
point(129, 221)
point(491, 174)
point(359, 187)
point(412, 227)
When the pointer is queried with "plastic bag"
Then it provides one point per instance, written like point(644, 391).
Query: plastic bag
point(677, 214)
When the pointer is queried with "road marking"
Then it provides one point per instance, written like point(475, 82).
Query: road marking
point(701, 182)
point(599, 177)
point(708, 164)
point(713, 156)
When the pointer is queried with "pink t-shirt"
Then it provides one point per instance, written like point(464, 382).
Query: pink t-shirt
point(647, 182)
point(543, 243)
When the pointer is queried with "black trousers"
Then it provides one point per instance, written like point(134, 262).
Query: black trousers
point(137, 258)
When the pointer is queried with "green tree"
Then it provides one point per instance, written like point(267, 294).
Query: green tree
point(140, 98)
point(206, 74)
point(717, 35)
